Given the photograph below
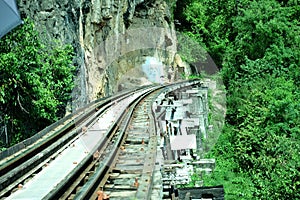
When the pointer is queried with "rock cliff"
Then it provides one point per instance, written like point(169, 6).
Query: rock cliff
point(118, 43)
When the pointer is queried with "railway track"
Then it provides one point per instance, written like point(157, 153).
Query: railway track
point(92, 178)
point(21, 166)
point(110, 144)
point(131, 175)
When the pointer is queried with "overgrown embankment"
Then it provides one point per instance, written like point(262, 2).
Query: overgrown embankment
point(256, 44)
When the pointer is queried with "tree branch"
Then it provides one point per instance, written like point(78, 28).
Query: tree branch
point(22, 108)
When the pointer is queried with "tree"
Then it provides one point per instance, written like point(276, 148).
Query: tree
point(210, 23)
point(36, 81)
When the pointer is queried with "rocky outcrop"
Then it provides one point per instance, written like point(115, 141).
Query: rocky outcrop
point(113, 39)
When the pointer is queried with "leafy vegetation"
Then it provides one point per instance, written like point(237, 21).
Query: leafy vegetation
point(35, 84)
point(256, 44)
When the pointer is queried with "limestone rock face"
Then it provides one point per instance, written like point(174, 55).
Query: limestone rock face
point(119, 43)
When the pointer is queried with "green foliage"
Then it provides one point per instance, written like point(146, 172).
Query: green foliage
point(266, 42)
point(191, 77)
point(237, 185)
point(266, 136)
point(210, 23)
point(36, 81)
point(257, 45)
point(194, 179)
point(189, 50)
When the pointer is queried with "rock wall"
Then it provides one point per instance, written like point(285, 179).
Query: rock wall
point(113, 39)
